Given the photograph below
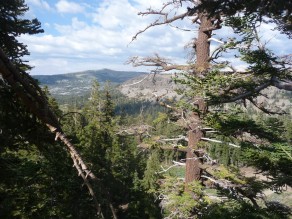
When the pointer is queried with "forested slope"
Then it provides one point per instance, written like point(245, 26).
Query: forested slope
point(114, 157)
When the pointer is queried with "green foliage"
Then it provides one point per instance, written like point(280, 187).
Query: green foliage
point(164, 126)
point(113, 158)
point(234, 123)
point(273, 160)
point(52, 102)
point(221, 85)
point(180, 203)
point(240, 210)
point(151, 176)
point(222, 172)
point(13, 24)
point(36, 179)
point(277, 11)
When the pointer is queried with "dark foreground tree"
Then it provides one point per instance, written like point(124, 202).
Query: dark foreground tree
point(12, 25)
point(213, 81)
point(278, 11)
point(12, 69)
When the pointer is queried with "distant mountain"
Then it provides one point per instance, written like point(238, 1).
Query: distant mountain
point(79, 83)
point(139, 85)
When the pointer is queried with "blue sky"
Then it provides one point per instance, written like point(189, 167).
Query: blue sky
point(94, 34)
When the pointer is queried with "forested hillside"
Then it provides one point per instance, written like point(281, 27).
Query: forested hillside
point(209, 141)
point(79, 83)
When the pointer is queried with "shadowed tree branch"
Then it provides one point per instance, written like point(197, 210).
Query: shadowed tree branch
point(35, 101)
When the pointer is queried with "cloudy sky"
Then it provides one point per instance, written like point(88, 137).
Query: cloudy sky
point(94, 34)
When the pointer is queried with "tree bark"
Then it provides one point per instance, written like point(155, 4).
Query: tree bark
point(193, 172)
point(202, 49)
point(193, 163)
point(202, 44)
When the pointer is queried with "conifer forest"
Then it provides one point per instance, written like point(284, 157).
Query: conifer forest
point(222, 148)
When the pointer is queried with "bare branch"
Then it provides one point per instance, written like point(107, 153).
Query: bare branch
point(175, 139)
point(215, 40)
point(221, 142)
point(170, 167)
point(158, 98)
point(137, 82)
point(163, 19)
point(195, 20)
point(162, 64)
point(216, 53)
point(262, 108)
point(164, 147)
point(179, 28)
point(283, 85)
point(179, 163)
point(222, 182)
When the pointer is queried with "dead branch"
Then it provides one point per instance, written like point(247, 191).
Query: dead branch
point(162, 64)
point(137, 82)
point(216, 40)
point(158, 98)
point(170, 167)
point(221, 142)
point(281, 84)
point(179, 28)
point(265, 110)
point(179, 163)
point(223, 183)
point(163, 19)
point(175, 139)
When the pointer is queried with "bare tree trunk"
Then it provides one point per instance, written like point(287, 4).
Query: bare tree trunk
point(193, 172)
point(202, 44)
point(202, 49)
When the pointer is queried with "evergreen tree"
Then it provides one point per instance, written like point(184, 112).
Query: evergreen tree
point(28, 148)
point(210, 83)
point(13, 24)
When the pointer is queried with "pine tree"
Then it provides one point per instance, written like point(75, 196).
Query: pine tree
point(210, 83)
point(13, 24)
point(25, 89)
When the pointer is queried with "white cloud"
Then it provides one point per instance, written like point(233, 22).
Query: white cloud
point(115, 14)
point(274, 40)
point(64, 6)
point(106, 40)
point(103, 41)
point(39, 3)
point(145, 4)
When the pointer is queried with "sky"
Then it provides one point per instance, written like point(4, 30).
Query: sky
point(82, 35)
